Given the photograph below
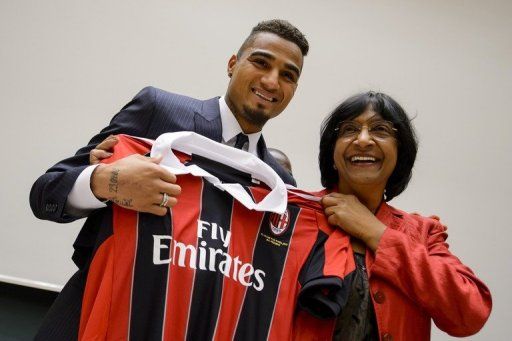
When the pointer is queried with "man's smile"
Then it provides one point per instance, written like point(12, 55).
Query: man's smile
point(265, 95)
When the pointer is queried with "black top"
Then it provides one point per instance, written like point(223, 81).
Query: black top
point(357, 319)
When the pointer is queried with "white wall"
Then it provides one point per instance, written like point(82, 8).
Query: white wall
point(67, 66)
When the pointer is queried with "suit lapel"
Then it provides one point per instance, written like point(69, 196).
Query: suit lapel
point(207, 121)
point(265, 156)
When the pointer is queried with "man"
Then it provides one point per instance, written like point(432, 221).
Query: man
point(281, 158)
point(264, 75)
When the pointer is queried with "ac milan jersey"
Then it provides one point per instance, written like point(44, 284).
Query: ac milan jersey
point(213, 268)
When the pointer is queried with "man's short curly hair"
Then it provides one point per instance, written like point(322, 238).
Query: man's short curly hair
point(279, 27)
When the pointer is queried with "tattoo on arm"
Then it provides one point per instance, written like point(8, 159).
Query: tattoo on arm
point(114, 181)
point(113, 185)
point(125, 202)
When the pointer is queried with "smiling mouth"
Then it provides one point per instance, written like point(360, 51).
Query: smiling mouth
point(363, 160)
point(264, 97)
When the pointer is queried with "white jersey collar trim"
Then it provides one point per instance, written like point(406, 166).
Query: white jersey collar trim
point(192, 143)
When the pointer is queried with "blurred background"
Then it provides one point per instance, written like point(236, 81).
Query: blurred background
point(68, 66)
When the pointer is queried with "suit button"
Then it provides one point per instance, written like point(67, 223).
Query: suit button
point(387, 337)
point(379, 297)
point(51, 208)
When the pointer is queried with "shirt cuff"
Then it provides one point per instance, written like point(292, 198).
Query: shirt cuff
point(81, 197)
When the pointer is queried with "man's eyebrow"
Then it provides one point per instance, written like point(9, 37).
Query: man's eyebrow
point(270, 56)
point(293, 67)
point(262, 54)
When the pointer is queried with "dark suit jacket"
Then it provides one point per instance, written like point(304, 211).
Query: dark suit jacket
point(151, 113)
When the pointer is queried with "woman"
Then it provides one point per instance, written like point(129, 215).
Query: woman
point(405, 275)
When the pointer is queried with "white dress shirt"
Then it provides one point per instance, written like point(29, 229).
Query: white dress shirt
point(81, 200)
point(231, 128)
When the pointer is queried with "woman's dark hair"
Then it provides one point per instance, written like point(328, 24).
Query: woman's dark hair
point(390, 110)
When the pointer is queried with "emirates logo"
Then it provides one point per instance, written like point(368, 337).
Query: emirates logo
point(279, 222)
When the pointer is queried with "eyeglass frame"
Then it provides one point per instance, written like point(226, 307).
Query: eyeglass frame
point(361, 126)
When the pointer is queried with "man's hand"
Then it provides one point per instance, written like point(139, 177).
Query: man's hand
point(103, 150)
point(347, 212)
point(135, 182)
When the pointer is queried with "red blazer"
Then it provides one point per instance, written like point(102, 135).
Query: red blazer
point(414, 278)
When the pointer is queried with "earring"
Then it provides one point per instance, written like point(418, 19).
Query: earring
point(334, 166)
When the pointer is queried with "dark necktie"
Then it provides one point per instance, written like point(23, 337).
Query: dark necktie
point(241, 140)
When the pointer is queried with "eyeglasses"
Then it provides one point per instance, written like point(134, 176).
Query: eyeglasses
point(379, 130)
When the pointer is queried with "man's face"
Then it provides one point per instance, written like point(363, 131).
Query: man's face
point(263, 80)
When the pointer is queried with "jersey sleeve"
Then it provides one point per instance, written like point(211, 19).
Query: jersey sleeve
point(325, 278)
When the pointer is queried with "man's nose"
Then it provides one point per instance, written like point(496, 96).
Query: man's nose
point(270, 80)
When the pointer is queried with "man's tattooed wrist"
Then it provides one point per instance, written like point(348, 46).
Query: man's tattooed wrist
point(113, 183)
point(124, 202)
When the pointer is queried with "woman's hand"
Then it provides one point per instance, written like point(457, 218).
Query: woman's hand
point(347, 212)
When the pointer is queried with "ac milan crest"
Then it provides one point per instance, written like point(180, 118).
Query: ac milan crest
point(279, 222)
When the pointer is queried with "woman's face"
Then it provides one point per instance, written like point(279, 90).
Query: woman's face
point(365, 159)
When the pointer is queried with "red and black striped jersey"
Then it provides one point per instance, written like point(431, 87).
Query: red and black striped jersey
point(213, 268)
